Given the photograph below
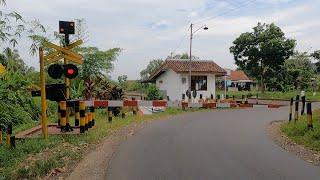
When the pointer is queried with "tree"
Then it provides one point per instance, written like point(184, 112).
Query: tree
point(262, 52)
point(97, 64)
point(152, 66)
point(122, 80)
point(300, 71)
point(316, 55)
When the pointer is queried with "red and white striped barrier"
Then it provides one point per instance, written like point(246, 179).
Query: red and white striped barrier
point(176, 104)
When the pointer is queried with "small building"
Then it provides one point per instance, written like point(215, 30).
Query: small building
point(134, 96)
point(172, 78)
point(239, 81)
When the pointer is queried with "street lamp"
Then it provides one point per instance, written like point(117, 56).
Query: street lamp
point(204, 27)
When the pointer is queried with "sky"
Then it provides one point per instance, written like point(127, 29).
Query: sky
point(152, 29)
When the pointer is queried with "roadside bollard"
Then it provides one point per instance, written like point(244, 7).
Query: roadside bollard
point(92, 110)
point(134, 111)
point(218, 98)
point(242, 97)
point(82, 107)
point(76, 114)
point(9, 133)
point(227, 96)
point(59, 114)
point(63, 112)
point(109, 115)
point(309, 116)
point(303, 100)
point(89, 120)
point(257, 99)
point(123, 114)
point(290, 109)
point(296, 114)
point(233, 97)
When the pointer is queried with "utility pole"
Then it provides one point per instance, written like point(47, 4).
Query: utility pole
point(190, 59)
point(190, 55)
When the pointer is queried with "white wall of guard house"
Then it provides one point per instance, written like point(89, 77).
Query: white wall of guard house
point(175, 84)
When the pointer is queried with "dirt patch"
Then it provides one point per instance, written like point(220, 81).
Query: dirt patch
point(305, 153)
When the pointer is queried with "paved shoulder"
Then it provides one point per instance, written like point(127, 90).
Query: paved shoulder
point(228, 144)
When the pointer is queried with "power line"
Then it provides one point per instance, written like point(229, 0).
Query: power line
point(227, 12)
point(213, 17)
point(180, 42)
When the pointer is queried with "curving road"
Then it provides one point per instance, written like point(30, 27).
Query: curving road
point(225, 144)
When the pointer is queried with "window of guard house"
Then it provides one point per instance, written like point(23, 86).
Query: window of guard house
point(199, 83)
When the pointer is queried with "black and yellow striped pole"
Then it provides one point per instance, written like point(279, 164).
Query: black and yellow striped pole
point(86, 124)
point(92, 110)
point(89, 120)
point(68, 127)
point(309, 116)
point(63, 112)
point(303, 100)
point(9, 133)
point(82, 107)
point(109, 115)
point(290, 109)
point(76, 113)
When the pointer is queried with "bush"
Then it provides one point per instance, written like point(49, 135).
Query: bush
point(153, 93)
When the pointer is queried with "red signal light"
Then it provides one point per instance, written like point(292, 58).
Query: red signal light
point(70, 71)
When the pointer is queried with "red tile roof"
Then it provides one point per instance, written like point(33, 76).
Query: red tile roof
point(238, 75)
point(197, 66)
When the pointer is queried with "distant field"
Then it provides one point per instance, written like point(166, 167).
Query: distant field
point(273, 95)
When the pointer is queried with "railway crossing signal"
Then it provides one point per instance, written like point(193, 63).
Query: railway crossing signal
point(70, 71)
point(66, 27)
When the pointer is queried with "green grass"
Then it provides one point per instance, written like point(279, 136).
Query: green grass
point(273, 95)
point(300, 134)
point(34, 158)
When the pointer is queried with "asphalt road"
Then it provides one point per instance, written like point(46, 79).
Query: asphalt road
point(225, 144)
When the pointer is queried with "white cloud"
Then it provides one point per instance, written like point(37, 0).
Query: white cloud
point(148, 29)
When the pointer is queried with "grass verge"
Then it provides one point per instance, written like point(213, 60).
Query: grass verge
point(34, 158)
point(299, 132)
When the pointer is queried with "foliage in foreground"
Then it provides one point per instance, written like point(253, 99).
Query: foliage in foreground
point(300, 134)
point(34, 158)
